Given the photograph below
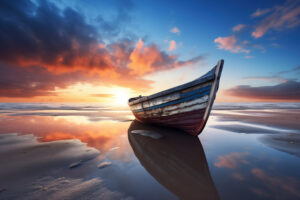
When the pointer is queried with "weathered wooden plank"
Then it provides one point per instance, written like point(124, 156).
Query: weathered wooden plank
point(169, 97)
point(179, 108)
point(181, 100)
point(176, 106)
point(203, 79)
point(187, 109)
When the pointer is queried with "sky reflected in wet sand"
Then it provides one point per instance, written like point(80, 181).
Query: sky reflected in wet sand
point(50, 151)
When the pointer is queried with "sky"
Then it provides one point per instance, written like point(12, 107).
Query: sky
point(107, 51)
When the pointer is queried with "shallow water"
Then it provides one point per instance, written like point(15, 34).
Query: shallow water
point(60, 151)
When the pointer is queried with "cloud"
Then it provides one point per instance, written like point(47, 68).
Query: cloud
point(43, 35)
point(175, 30)
point(238, 27)
point(260, 12)
point(147, 59)
point(50, 48)
point(295, 70)
point(33, 81)
point(191, 61)
point(230, 43)
point(172, 45)
point(231, 160)
point(104, 95)
point(267, 78)
point(282, 17)
point(288, 90)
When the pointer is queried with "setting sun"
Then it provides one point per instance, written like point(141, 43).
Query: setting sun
point(121, 96)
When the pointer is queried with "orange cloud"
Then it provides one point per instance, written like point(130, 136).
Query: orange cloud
point(283, 17)
point(238, 27)
point(230, 44)
point(143, 58)
point(148, 59)
point(175, 30)
point(172, 45)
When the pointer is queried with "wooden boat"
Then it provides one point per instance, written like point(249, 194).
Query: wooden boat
point(177, 161)
point(186, 107)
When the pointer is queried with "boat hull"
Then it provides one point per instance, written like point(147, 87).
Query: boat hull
point(186, 107)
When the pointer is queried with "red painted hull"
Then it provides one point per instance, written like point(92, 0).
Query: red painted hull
point(191, 122)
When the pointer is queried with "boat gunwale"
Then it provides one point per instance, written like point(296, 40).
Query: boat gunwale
point(201, 80)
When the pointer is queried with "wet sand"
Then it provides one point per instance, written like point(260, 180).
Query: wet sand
point(289, 143)
point(33, 170)
point(77, 152)
point(288, 119)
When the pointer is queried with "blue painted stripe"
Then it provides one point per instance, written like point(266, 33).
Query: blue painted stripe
point(182, 96)
point(189, 98)
point(186, 94)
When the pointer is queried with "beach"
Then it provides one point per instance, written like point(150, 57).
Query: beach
point(59, 151)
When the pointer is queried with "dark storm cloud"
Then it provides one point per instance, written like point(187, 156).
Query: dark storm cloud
point(289, 90)
point(43, 33)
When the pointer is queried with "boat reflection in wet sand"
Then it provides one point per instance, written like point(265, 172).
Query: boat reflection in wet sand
point(175, 160)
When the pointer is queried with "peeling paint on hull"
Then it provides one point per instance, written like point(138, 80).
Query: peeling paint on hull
point(186, 107)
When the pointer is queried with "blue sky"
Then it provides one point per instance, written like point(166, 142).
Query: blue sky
point(257, 40)
point(201, 22)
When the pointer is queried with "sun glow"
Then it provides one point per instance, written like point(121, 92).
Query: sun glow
point(87, 93)
point(121, 96)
